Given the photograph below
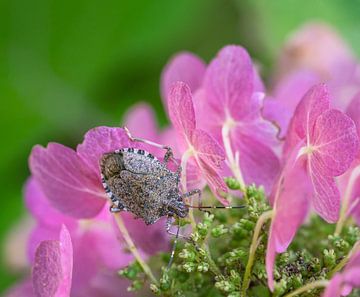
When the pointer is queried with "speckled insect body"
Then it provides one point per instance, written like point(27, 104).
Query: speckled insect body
point(138, 182)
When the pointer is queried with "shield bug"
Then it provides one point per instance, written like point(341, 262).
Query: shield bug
point(136, 181)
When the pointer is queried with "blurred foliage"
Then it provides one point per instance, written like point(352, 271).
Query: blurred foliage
point(67, 66)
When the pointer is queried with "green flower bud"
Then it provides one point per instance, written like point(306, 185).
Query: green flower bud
point(329, 258)
point(232, 183)
point(219, 231)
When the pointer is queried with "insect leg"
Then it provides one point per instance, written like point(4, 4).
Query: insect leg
point(192, 193)
point(117, 206)
point(173, 248)
point(169, 153)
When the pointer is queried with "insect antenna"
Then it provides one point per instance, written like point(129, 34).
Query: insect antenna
point(214, 207)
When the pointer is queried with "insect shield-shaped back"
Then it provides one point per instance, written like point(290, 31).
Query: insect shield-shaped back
point(138, 182)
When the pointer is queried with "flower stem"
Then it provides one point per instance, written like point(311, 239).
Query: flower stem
point(344, 261)
point(233, 161)
point(184, 160)
point(254, 244)
point(355, 174)
point(133, 248)
point(307, 287)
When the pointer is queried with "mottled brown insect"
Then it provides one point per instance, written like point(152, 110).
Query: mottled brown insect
point(136, 181)
point(139, 183)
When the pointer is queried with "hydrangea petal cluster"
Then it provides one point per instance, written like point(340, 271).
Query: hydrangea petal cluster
point(343, 283)
point(231, 101)
point(321, 144)
point(230, 95)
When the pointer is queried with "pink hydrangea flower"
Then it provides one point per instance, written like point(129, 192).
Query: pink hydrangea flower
point(230, 108)
point(342, 283)
point(227, 96)
point(321, 143)
point(201, 147)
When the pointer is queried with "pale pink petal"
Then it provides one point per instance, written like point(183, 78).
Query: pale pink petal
point(207, 148)
point(38, 235)
point(333, 289)
point(284, 99)
point(291, 207)
point(41, 208)
point(66, 180)
point(181, 109)
point(52, 271)
point(209, 157)
point(141, 121)
point(352, 277)
point(335, 142)
point(258, 162)
point(185, 67)
point(151, 239)
point(229, 82)
point(22, 289)
point(102, 140)
point(326, 199)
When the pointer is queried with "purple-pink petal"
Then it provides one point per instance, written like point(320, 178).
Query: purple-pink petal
point(229, 82)
point(52, 271)
point(284, 99)
point(291, 207)
point(40, 207)
point(258, 162)
point(141, 121)
point(185, 67)
point(333, 289)
point(335, 141)
point(100, 140)
point(66, 180)
point(181, 109)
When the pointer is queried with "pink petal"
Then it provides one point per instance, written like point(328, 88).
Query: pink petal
point(38, 235)
point(141, 121)
point(67, 181)
point(286, 96)
point(336, 142)
point(290, 209)
point(41, 208)
point(52, 271)
point(333, 289)
point(102, 140)
point(185, 67)
point(351, 277)
point(229, 82)
point(326, 198)
point(209, 157)
point(312, 105)
point(151, 239)
point(181, 109)
point(258, 162)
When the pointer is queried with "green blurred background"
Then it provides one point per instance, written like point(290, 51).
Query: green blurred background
point(67, 66)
